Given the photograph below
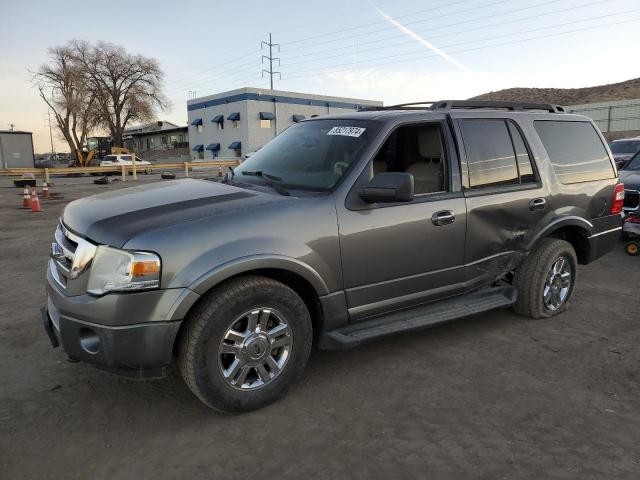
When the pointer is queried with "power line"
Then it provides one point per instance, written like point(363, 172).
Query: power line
point(363, 25)
point(236, 68)
point(271, 59)
point(184, 82)
point(198, 83)
point(371, 32)
point(478, 40)
point(481, 27)
point(340, 16)
point(459, 51)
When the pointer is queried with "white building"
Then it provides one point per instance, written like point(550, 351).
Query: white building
point(231, 124)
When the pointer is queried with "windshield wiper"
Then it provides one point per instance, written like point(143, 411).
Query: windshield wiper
point(276, 186)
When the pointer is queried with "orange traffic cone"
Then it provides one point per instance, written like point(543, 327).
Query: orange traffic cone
point(219, 171)
point(45, 190)
point(26, 198)
point(35, 202)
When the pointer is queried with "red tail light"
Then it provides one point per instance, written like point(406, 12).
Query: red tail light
point(632, 219)
point(618, 199)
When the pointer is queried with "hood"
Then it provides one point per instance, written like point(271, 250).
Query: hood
point(114, 217)
point(630, 178)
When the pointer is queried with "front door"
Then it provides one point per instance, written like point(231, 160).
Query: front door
point(399, 255)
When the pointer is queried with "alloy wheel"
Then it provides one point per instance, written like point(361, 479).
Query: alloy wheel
point(558, 284)
point(255, 349)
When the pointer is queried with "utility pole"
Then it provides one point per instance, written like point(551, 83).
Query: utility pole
point(50, 131)
point(271, 58)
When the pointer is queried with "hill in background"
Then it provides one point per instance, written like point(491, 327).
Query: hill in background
point(567, 96)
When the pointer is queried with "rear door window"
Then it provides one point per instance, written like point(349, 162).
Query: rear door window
point(491, 158)
point(577, 154)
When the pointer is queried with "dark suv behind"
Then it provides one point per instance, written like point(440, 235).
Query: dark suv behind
point(342, 230)
point(624, 149)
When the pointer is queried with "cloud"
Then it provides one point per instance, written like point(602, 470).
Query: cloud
point(422, 41)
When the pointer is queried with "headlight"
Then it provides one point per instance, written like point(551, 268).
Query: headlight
point(116, 270)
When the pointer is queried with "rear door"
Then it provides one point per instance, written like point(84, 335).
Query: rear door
point(504, 194)
point(403, 254)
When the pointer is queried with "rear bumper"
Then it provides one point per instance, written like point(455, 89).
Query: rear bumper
point(603, 242)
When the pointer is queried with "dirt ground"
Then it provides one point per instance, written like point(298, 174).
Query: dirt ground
point(495, 396)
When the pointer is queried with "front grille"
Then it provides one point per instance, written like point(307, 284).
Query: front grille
point(70, 256)
point(631, 199)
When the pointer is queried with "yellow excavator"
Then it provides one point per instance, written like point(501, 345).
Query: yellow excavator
point(95, 150)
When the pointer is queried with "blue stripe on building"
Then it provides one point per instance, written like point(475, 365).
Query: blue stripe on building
point(271, 98)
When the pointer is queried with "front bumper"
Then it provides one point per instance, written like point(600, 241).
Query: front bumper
point(631, 229)
point(129, 334)
point(134, 351)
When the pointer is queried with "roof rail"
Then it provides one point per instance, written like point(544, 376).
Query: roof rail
point(401, 106)
point(470, 104)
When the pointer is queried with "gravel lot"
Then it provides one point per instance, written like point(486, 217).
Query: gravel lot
point(494, 396)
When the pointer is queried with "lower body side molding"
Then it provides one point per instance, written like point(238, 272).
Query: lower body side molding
point(418, 318)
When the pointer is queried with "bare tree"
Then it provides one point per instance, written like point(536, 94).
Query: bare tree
point(126, 87)
point(62, 85)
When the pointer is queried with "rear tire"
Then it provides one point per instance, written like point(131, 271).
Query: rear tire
point(218, 338)
point(544, 288)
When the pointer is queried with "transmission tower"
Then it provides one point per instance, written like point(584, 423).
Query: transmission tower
point(271, 59)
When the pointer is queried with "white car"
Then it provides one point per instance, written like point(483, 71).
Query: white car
point(119, 160)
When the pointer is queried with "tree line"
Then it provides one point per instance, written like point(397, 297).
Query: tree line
point(99, 86)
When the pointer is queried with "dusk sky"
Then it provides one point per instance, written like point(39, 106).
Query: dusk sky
point(394, 51)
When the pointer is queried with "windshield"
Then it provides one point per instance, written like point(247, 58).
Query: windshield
point(634, 163)
point(625, 147)
point(310, 155)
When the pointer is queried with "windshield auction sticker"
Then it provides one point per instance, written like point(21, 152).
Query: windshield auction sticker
point(347, 131)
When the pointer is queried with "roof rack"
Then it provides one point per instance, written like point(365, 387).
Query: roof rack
point(472, 104)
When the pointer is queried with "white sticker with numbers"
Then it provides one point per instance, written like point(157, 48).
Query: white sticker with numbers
point(347, 131)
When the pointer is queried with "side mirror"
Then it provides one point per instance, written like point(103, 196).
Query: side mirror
point(388, 187)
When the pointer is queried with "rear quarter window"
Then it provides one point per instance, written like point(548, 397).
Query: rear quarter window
point(576, 152)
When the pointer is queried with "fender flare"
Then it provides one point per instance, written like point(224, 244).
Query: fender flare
point(257, 262)
point(568, 221)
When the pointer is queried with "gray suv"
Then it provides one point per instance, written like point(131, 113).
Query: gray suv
point(342, 230)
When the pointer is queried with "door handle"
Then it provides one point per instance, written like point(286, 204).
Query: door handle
point(537, 204)
point(443, 217)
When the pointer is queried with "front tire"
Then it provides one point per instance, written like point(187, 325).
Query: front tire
point(545, 279)
point(244, 344)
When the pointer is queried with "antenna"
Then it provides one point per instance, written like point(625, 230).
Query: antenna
point(271, 58)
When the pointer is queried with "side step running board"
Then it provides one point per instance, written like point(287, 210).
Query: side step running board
point(418, 318)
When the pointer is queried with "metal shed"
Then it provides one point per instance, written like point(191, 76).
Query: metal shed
point(16, 149)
